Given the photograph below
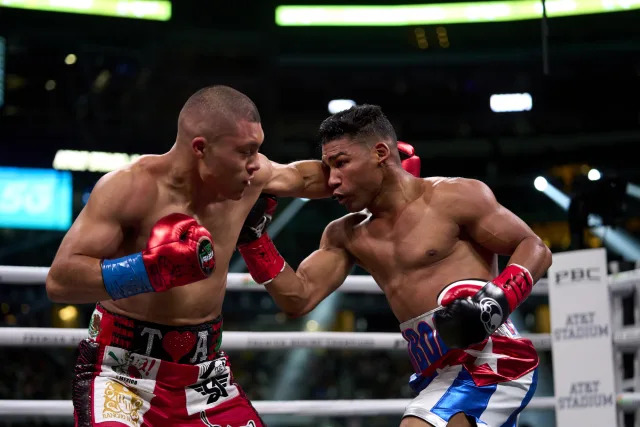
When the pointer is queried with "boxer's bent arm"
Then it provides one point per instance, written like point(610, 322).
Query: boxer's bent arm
point(496, 228)
point(306, 178)
point(321, 273)
point(75, 275)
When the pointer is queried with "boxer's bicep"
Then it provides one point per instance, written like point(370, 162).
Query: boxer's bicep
point(117, 201)
point(500, 231)
point(305, 178)
point(96, 233)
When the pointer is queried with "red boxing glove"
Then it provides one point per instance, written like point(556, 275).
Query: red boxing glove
point(470, 315)
point(410, 162)
point(460, 289)
point(263, 260)
point(516, 283)
point(179, 252)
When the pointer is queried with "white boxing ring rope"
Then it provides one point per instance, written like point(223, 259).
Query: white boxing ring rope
point(625, 338)
point(333, 408)
point(620, 283)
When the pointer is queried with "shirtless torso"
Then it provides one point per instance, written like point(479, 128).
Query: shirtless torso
point(124, 207)
point(197, 302)
point(413, 254)
point(431, 244)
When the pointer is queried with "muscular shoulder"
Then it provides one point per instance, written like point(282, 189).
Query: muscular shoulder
point(457, 186)
point(128, 193)
point(460, 197)
point(338, 232)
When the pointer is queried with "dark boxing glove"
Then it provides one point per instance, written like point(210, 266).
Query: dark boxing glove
point(470, 315)
point(263, 260)
point(179, 252)
point(410, 162)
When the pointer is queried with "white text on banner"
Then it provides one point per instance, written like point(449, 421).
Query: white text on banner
point(581, 339)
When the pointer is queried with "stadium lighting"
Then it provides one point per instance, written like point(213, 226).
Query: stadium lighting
point(633, 190)
point(337, 105)
point(155, 10)
point(510, 102)
point(594, 175)
point(617, 240)
point(91, 161)
point(540, 183)
point(442, 13)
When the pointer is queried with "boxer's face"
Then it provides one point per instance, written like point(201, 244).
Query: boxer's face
point(235, 160)
point(354, 173)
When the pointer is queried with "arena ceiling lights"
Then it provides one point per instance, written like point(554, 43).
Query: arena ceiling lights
point(91, 161)
point(157, 10)
point(443, 13)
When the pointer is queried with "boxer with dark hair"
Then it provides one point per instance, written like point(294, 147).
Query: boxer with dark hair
point(431, 244)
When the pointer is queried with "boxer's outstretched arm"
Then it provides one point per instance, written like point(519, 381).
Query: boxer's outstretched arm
point(321, 273)
point(496, 228)
point(305, 178)
point(75, 275)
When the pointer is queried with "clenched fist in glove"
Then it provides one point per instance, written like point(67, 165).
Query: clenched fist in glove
point(256, 247)
point(470, 315)
point(179, 252)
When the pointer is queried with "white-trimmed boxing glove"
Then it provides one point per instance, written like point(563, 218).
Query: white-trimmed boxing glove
point(469, 315)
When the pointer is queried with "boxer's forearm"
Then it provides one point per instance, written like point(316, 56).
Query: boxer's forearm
point(305, 178)
point(534, 255)
point(314, 178)
point(317, 276)
point(76, 279)
point(289, 292)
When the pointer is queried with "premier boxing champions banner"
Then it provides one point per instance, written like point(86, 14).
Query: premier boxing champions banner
point(581, 339)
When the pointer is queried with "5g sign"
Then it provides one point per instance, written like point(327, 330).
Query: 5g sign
point(35, 198)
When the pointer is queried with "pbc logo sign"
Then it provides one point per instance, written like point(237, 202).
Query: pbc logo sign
point(573, 275)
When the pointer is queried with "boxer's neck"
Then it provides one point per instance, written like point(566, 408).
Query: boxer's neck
point(184, 177)
point(397, 190)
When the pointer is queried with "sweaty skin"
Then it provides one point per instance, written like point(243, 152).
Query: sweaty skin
point(125, 205)
point(416, 236)
point(414, 253)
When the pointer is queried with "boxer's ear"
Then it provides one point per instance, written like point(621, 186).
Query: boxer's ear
point(382, 151)
point(197, 145)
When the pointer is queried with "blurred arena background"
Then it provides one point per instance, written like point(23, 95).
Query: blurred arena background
point(74, 86)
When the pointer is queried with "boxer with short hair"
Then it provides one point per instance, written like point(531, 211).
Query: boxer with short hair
point(152, 247)
point(431, 244)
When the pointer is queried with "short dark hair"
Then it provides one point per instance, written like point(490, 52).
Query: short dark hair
point(362, 122)
point(224, 101)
